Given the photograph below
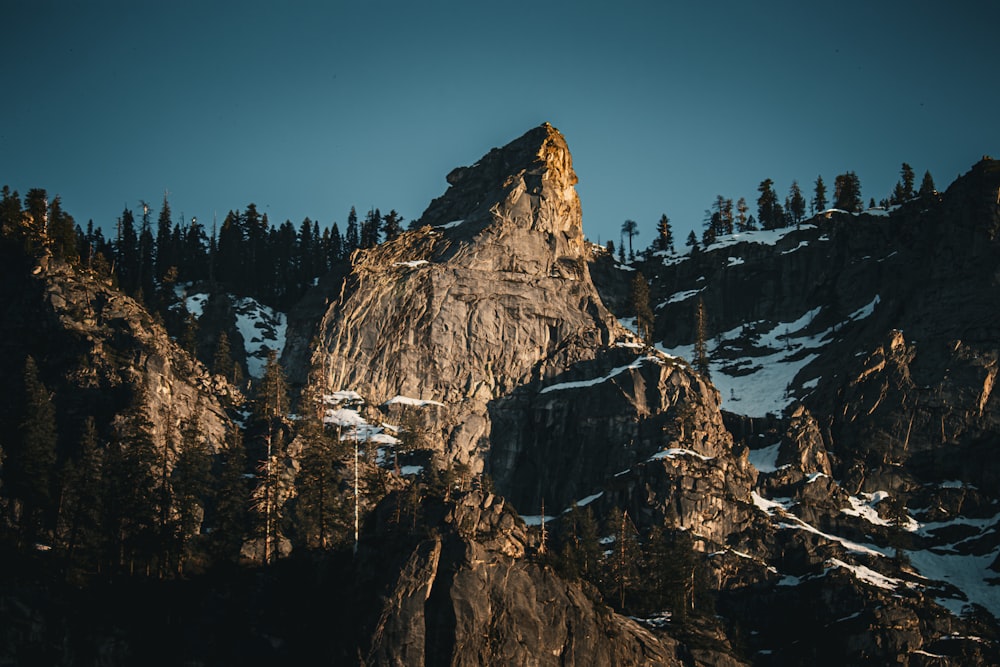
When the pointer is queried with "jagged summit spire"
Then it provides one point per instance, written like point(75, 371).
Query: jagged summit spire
point(529, 181)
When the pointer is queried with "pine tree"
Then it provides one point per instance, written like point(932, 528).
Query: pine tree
point(30, 467)
point(640, 303)
point(352, 239)
point(630, 229)
point(664, 235)
point(622, 564)
point(232, 506)
point(272, 391)
point(191, 481)
point(336, 250)
point(147, 285)
point(692, 240)
point(392, 225)
point(819, 197)
point(222, 361)
point(741, 215)
point(82, 515)
point(847, 192)
point(62, 233)
point(701, 363)
point(907, 176)
point(370, 229)
point(133, 516)
point(769, 212)
point(320, 510)
point(796, 203)
point(165, 252)
point(927, 188)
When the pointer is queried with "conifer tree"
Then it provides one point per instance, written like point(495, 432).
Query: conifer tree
point(630, 229)
point(165, 252)
point(82, 515)
point(819, 196)
point(622, 565)
point(907, 176)
point(352, 240)
point(927, 188)
point(222, 361)
point(132, 520)
point(336, 250)
point(664, 235)
point(692, 240)
point(232, 506)
point(847, 192)
point(643, 312)
point(796, 203)
point(769, 212)
point(272, 391)
point(370, 229)
point(30, 467)
point(741, 215)
point(62, 233)
point(320, 511)
point(191, 481)
point(147, 251)
point(392, 225)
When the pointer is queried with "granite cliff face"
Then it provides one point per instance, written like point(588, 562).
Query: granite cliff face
point(102, 355)
point(487, 305)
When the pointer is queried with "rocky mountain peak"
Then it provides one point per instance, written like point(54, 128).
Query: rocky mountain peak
point(490, 292)
point(525, 180)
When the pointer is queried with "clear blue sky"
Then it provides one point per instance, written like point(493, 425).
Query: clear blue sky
point(308, 108)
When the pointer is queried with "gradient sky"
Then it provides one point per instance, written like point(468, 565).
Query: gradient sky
point(308, 108)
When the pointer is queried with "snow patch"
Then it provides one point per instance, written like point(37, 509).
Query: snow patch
point(577, 384)
point(766, 458)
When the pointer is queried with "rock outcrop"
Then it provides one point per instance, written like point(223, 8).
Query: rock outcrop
point(102, 355)
point(466, 595)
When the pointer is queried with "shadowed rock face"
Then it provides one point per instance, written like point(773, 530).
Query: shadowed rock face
point(466, 596)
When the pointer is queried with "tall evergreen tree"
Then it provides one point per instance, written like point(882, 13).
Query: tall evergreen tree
point(643, 312)
point(630, 229)
point(127, 253)
point(166, 255)
point(692, 241)
point(847, 192)
point(796, 203)
point(336, 250)
point(741, 215)
point(30, 468)
point(320, 511)
point(769, 212)
point(664, 235)
point(233, 504)
point(133, 514)
point(82, 505)
point(927, 188)
point(370, 229)
point(147, 286)
point(191, 480)
point(907, 176)
point(352, 240)
point(819, 196)
point(62, 233)
point(392, 225)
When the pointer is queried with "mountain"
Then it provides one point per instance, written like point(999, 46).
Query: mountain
point(528, 480)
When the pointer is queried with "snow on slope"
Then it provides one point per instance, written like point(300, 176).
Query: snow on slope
point(263, 329)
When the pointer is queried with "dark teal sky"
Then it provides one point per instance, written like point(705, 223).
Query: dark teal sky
point(308, 108)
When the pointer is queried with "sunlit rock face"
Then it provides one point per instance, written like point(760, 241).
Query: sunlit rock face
point(490, 292)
